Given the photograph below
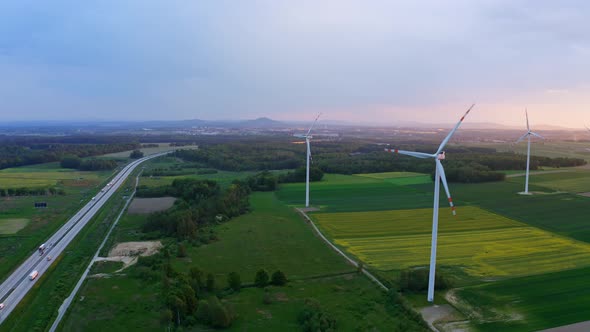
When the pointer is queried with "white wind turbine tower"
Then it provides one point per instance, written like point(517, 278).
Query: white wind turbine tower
point(528, 154)
point(438, 157)
point(308, 138)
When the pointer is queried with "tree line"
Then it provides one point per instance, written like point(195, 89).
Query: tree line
point(19, 155)
point(468, 164)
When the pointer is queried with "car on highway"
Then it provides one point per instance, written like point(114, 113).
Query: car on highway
point(48, 258)
point(93, 198)
point(1, 306)
point(33, 275)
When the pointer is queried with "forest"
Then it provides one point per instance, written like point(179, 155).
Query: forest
point(21, 155)
point(464, 165)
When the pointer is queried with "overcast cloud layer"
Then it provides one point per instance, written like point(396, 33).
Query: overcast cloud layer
point(374, 61)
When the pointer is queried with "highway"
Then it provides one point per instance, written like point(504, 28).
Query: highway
point(17, 285)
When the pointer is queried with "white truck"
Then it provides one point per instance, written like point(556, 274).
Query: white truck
point(42, 249)
point(33, 275)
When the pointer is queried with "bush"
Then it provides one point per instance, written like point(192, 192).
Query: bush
point(203, 312)
point(278, 278)
point(70, 161)
point(181, 250)
point(267, 298)
point(136, 154)
point(220, 315)
point(261, 278)
point(210, 282)
point(416, 280)
point(314, 319)
point(234, 282)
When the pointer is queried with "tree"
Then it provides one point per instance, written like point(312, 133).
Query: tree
point(220, 315)
point(261, 279)
point(166, 316)
point(234, 281)
point(181, 250)
point(70, 161)
point(136, 154)
point(278, 278)
point(203, 312)
point(210, 282)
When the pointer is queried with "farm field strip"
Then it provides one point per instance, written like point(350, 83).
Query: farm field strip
point(540, 301)
point(482, 243)
point(13, 178)
point(390, 175)
point(12, 225)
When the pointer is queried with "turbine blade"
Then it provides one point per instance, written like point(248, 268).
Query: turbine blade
point(316, 120)
point(299, 136)
point(443, 178)
point(411, 153)
point(527, 120)
point(446, 140)
point(522, 137)
point(535, 134)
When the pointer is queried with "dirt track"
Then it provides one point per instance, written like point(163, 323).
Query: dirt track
point(149, 205)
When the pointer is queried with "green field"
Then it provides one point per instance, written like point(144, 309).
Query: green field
point(265, 238)
point(115, 304)
point(529, 303)
point(272, 237)
point(355, 193)
point(564, 214)
point(163, 147)
point(390, 175)
point(224, 178)
point(571, 181)
point(19, 238)
point(543, 148)
point(482, 243)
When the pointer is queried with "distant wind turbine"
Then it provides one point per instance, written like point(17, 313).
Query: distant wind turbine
point(438, 157)
point(308, 138)
point(528, 154)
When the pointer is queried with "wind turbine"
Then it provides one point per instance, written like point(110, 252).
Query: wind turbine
point(308, 138)
point(528, 155)
point(438, 157)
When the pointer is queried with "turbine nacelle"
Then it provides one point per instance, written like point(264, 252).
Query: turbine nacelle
point(441, 156)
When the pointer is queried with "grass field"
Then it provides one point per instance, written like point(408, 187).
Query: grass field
point(483, 243)
point(224, 178)
point(571, 181)
point(16, 241)
point(546, 149)
point(565, 214)
point(390, 175)
point(12, 225)
point(272, 237)
point(355, 193)
point(265, 238)
point(148, 151)
point(529, 303)
point(115, 304)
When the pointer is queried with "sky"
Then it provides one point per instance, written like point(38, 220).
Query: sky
point(362, 61)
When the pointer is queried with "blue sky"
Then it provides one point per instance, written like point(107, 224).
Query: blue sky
point(352, 60)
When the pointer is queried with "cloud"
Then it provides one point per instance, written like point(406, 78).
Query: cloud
point(227, 59)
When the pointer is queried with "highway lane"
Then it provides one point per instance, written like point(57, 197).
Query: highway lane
point(16, 286)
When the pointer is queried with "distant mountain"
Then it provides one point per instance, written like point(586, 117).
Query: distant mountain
point(261, 123)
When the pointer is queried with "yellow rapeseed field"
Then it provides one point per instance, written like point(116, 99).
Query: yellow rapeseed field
point(481, 242)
